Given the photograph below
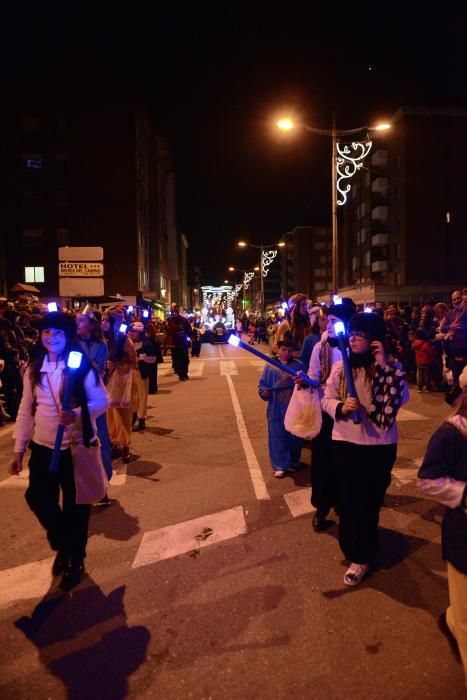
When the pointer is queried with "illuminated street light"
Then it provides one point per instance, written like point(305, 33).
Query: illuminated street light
point(346, 159)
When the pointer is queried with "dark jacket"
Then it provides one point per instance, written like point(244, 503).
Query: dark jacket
point(446, 456)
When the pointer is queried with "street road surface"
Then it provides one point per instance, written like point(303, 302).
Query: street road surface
point(205, 578)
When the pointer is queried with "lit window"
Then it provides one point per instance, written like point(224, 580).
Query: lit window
point(34, 274)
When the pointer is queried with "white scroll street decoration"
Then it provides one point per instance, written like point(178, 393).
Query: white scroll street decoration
point(347, 164)
point(267, 259)
point(237, 290)
point(247, 277)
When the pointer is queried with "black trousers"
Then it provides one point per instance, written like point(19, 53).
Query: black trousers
point(180, 361)
point(323, 470)
point(66, 526)
point(364, 474)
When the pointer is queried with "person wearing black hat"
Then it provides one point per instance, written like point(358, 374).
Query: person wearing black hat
point(39, 416)
point(364, 452)
point(323, 473)
point(276, 388)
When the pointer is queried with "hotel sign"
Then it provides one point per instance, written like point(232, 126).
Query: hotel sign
point(80, 269)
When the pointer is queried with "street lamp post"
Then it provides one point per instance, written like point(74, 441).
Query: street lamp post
point(265, 261)
point(343, 166)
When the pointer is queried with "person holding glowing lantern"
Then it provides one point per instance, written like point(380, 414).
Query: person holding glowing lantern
point(43, 413)
point(364, 437)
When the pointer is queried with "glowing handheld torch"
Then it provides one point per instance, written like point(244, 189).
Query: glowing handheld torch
point(73, 363)
point(339, 329)
point(237, 343)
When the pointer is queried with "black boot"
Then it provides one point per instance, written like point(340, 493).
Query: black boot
point(142, 424)
point(319, 522)
point(134, 417)
point(73, 573)
point(60, 562)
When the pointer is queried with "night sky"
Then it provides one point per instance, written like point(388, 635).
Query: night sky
point(217, 75)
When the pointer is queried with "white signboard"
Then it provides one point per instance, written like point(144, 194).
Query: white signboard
point(81, 253)
point(81, 287)
point(80, 269)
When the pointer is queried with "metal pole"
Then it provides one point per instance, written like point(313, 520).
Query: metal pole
point(262, 281)
point(335, 262)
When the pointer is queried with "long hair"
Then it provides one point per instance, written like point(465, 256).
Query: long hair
point(116, 340)
point(460, 406)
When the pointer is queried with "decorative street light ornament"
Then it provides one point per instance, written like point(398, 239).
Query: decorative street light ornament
point(237, 290)
point(247, 277)
point(347, 164)
point(267, 259)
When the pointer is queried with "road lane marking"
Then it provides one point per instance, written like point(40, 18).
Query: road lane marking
point(405, 476)
point(404, 414)
point(6, 430)
point(196, 369)
point(20, 480)
point(228, 367)
point(299, 502)
point(27, 581)
point(171, 541)
point(256, 475)
point(118, 475)
point(221, 351)
point(259, 364)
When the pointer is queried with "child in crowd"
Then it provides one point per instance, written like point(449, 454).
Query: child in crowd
point(424, 359)
point(276, 388)
point(251, 333)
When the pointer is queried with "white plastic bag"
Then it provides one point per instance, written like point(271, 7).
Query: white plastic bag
point(303, 417)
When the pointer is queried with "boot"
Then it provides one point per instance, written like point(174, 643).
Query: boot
point(142, 424)
point(126, 456)
point(73, 573)
point(134, 417)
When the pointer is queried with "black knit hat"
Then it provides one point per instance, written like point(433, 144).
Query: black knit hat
point(59, 321)
point(343, 311)
point(371, 324)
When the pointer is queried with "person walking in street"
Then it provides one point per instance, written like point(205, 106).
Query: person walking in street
point(364, 452)
point(119, 382)
point(152, 338)
point(39, 416)
point(95, 348)
point(179, 331)
point(443, 475)
point(146, 358)
point(324, 487)
point(276, 388)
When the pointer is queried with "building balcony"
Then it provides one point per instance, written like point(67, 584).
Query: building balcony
point(379, 239)
point(380, 185)
point(379, 266)
point(380, 213)
point(380, 158)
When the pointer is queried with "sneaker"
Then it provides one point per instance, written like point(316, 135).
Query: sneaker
point(419, 391)
point(355, 574)
point(279, 473)
point(106, 501)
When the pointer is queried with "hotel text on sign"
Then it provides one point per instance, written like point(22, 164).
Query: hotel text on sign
point(80, 269)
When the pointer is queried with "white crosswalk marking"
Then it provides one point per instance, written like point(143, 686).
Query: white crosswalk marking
point(259, 364)
point(166, 370)
point(196, 369)
point(168, 542)
point(27, 581)
point(228, 367)
point(119, 475)
point(20, 480)
point(299, 502)
point(404, 414)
